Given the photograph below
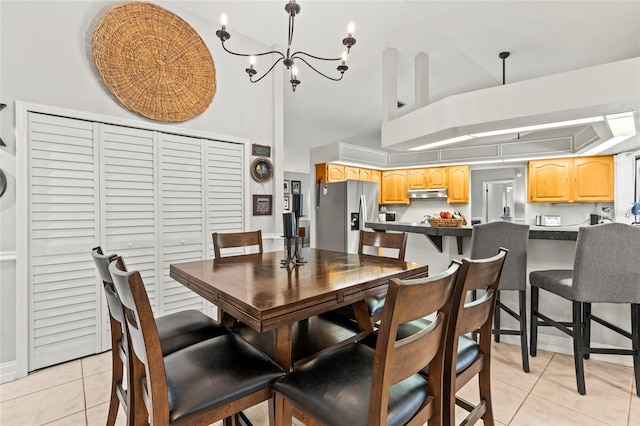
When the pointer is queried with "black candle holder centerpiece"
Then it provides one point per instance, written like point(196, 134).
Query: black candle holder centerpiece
point(290, 227)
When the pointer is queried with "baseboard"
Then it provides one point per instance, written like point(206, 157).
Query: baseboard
point(7, 372)
point(564, 345)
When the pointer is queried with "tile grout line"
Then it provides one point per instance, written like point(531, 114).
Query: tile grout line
point(531, 389)
point(84, 394)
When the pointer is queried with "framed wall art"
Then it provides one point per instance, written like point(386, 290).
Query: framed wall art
point(286, 186)
point(261, 169)
point(285, 204)
point(295, 187)
point(262, 205)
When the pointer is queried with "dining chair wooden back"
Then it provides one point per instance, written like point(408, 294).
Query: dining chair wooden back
point(232, 240)
point(211, 380)
point(380, 386)
point(464, 357)
point(396, 241)
point(118, 394)
point(175, 331)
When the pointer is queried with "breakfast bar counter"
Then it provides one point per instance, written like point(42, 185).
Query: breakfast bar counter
point(435, 233)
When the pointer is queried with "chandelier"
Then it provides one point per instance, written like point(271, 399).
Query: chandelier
point(290, 59)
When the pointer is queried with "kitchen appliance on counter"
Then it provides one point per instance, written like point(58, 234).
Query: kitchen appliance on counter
point(548, 220)
point(387, 216)
point(342, 208)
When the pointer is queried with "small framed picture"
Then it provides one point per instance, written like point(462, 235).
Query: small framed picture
point(295, 187)
point(286, 186)
point(285, 204)
point(262, 205)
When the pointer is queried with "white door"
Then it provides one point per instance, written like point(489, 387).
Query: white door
point(65, 297)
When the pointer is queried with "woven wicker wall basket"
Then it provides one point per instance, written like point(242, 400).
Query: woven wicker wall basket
point(154, 62)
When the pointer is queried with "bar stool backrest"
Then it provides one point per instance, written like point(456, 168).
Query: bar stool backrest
point(489, 237)
point(607, 264)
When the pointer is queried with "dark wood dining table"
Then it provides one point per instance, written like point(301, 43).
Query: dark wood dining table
point(256, 290)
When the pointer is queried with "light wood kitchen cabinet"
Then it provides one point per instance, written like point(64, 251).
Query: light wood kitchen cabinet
point(549, 180)
point(458, 184)
point(436, 177)
point(417, 178)
point(352, 173)
point(592, 179)
point(568, 180)
point(394, 187)
point(327, 172)
point(376, 176)
point(365, 174)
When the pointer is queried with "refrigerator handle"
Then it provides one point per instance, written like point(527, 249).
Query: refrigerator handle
point(363, 210)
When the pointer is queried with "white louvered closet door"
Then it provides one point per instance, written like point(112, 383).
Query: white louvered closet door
point(65, 297)
point(182, 215)
point(225, 189)
point(129, 200)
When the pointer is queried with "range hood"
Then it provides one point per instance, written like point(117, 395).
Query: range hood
point(427, 194)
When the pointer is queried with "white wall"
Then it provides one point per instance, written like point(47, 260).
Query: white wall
point(45, 58)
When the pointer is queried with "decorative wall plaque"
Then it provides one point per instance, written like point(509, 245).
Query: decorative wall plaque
point(154, 62)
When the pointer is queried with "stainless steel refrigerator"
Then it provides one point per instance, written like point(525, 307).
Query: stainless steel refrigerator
point(342, 208)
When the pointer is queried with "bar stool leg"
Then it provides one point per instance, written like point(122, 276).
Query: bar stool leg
point(496, 318)
point(577, 346)
point(635, 339)
point(586, 319)
point(533, 349)
point(523, 329)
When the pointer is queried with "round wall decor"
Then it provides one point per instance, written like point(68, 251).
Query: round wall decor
point(155, 63)
point(261, 169)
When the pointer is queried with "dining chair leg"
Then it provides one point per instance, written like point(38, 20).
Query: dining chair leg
point(586, 333)
point(533, 348)
point(635, 342)
point(496, 318)
point(116, 377)
point(484, 381)
point(282, 418)
point(578, 345)
point(523, 330)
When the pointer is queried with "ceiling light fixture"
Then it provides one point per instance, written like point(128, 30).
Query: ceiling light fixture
point(290, 59)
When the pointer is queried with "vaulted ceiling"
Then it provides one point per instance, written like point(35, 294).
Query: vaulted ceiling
point(462, 38)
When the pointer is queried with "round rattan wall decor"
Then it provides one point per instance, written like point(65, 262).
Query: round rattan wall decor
point(154, 62)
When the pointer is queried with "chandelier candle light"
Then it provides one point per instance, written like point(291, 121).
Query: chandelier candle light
point(289, 60)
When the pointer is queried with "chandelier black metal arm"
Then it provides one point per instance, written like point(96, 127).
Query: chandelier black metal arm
point(288, 59)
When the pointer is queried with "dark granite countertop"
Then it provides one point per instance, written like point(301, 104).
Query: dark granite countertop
point(435, 233)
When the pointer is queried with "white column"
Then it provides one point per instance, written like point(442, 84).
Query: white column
point(389, 84)
point(421, 67)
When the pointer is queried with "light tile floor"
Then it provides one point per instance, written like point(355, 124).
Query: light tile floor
point(77, 393)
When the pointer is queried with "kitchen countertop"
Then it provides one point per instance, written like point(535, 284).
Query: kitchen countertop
point(435, 233)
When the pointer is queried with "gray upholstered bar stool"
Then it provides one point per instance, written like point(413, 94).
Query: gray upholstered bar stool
point(606, 269)
point(486, 240)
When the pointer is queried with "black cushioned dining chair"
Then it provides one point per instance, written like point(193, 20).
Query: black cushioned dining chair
point(485, 241)
point(357, 385)
point(175, 331)
point(606, 269)
point(464, 357)
point(198, 385)
point(371, 244)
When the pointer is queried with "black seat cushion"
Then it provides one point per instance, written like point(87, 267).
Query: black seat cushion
point(468, 349)
point(557, 281)
point(184, 328)
point(376, 304)
point(335, 388)
point(215, 372)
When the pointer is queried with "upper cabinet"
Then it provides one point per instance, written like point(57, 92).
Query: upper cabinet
point(458, 184)
point(352, 173)
point(436, 177)
point(376, 176)
point(579, 179)
point(327, 172)
point(417, 178)
point(394, 187)
point(365, 174)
